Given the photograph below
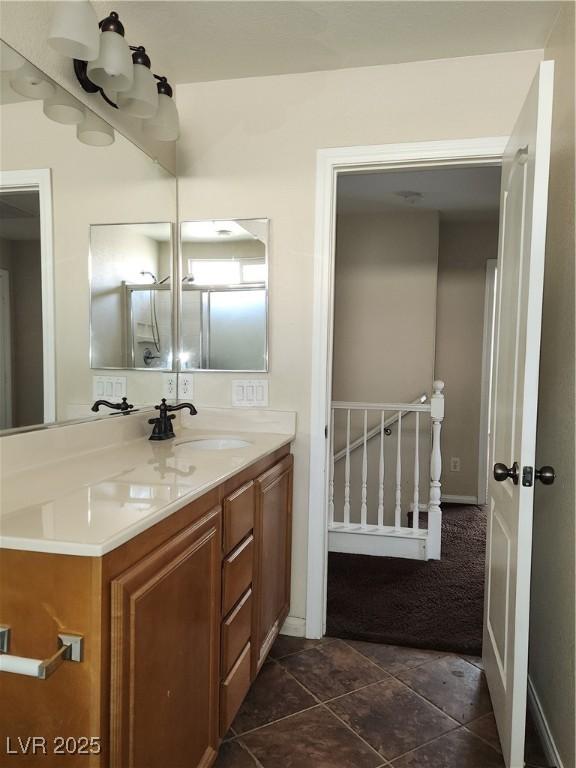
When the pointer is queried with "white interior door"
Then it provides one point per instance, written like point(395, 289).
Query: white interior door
point(515, 392)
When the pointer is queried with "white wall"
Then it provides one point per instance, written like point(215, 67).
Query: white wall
point(552, 665)
point(464, 248)
point(248, 149)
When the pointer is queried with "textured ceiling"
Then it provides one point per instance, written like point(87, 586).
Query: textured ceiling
point(199, 41)
point(452, 191)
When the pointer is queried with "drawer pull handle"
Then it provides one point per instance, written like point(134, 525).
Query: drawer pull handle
point(71, 648)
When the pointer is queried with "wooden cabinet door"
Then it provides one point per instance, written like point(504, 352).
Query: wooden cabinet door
point(165, 653)
point(273, 553)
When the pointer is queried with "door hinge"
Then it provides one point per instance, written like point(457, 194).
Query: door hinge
point(326, 432)
point(527, 476)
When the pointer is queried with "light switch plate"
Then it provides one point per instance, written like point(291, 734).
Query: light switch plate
point(109, 387)
point(185, 386)
point(250, 393)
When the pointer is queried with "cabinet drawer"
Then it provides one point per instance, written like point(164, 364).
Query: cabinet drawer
point(234, 689)
point(237, 574)
point(238, 516)
point(236, 629)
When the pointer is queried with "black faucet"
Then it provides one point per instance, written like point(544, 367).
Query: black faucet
point(163, 429)
point(124, 406)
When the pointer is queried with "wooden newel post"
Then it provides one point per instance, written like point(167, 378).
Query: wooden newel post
point(434, 510)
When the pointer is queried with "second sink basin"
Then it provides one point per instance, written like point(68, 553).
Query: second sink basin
point(215, 443)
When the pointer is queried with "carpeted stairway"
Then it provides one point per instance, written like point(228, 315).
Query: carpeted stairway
point(436, 604)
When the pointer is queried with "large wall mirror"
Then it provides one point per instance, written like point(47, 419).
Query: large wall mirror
point(71, 186)
point(224, 299)
point(131, 296)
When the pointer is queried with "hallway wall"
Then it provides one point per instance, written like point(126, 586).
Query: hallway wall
point(465, 247)
point(552, 665)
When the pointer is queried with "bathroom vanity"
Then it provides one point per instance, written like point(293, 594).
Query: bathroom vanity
point(176, 572)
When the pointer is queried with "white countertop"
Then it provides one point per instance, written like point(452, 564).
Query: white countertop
point(94, 501)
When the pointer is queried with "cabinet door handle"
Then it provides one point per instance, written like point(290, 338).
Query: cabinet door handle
point(71, 649)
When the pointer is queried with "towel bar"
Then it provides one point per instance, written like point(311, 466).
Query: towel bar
point(71, 648)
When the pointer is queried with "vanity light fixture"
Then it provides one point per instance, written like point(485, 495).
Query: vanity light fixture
point(141, 100)
point(164, 125)
point(74, 30)
point(63, 108)
point(113, 68)
point(28, 81)
point(94, 131)
point(121, 73)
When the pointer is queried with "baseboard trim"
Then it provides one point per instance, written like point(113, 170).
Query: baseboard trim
point(294, 627)
point(544, 732)
point(449, 499)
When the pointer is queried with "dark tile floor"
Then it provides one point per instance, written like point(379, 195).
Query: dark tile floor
point(345, 704)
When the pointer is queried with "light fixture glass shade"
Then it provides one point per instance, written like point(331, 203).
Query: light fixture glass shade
point(164, 125)
point(113, 69)
point(63, 108)
point(95, 131)
point(74, 31)
point(142, 98)
point(30, 82)
point(9, 58)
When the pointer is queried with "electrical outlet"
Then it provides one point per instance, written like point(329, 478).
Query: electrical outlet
point(185, 386)
point(454, 464)
point(170, 386)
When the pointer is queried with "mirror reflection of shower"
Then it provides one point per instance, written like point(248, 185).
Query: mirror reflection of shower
point(148, 355)
point(131, 297)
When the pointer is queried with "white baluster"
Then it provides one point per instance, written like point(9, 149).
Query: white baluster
point(434, 510)
point(364, 496)
point(381, 475)
point(416, 502)
point(398, 507)
point(347, 474)
point(331, 491)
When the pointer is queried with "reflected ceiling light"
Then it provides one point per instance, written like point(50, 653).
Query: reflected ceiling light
point(64, 108)
point(142, 98)
point(10, 60)
point(164, 125)
point(74, 31)
point(95, 131)
point(30, 82)
point(113, 68)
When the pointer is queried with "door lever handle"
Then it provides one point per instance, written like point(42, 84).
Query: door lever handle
point(502, 472)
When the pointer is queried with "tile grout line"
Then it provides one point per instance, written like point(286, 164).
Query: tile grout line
point(329, 711)
point(247, 749)
point(274, 722)
point(357, 735)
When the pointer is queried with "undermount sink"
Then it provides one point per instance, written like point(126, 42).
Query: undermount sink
point(215, 443)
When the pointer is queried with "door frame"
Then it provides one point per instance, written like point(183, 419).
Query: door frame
point(40, 180)
point(329, 164)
